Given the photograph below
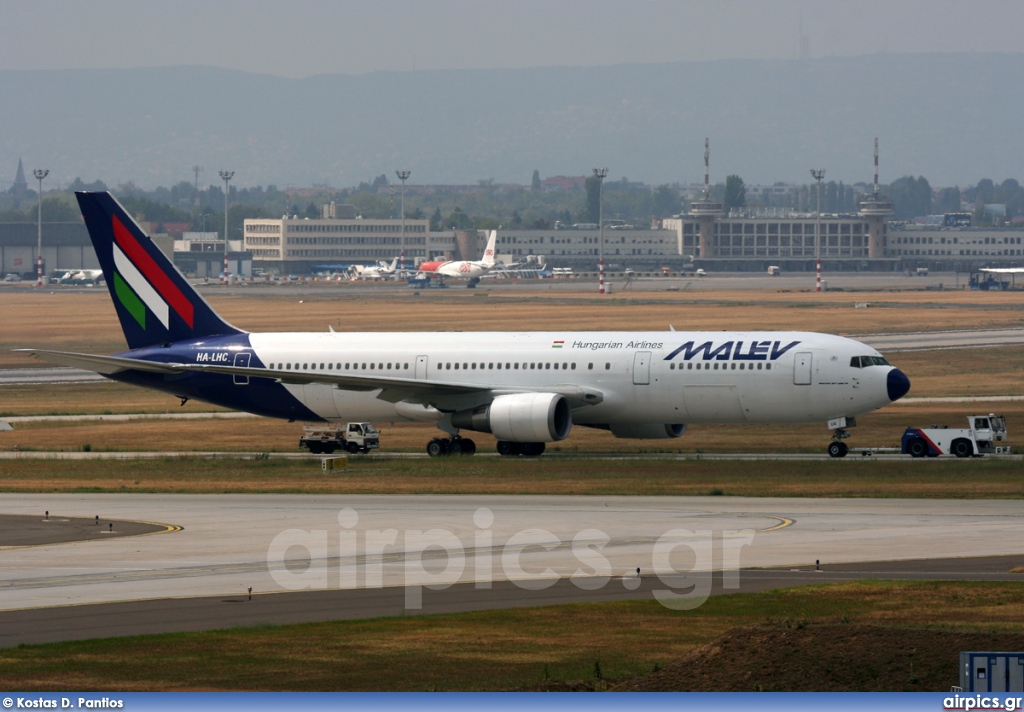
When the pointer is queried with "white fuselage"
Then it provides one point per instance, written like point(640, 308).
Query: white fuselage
point(646, 377)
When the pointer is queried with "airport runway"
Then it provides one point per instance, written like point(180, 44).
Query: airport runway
point(357, 556)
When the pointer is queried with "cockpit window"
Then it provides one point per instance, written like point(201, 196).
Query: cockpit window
point(865, 361)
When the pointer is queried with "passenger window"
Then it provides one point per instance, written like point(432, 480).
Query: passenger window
point(767, 367)
point(607, 367)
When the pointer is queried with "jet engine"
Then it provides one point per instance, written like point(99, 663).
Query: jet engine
point(520, 418)
point(648, 431)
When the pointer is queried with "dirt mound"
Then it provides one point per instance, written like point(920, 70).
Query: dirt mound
point(824, 658)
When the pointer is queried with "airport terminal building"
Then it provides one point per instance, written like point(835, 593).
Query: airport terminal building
point(292, 245)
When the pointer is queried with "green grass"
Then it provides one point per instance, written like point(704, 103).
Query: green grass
point(493, 650)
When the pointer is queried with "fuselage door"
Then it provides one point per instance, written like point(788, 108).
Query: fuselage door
point(642, 368)
point(242, 361)
point(802, 368)
point(421, 367)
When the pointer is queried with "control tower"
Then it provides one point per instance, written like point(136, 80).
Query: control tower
point(707, 212)
point(876, 212)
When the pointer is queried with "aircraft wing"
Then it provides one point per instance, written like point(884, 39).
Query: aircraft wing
point(393, 390)
point(106, 365)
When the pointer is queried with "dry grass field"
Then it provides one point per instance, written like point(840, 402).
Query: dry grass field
point(574, 647)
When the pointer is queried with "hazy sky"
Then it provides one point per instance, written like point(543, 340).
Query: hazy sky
point(300, 38)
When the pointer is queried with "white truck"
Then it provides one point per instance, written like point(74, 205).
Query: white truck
point(979, 438)
point(352, 437)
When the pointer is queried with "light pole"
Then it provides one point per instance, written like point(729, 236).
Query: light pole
point(40, 173)
point(600, 174)
point(226, 176)
point(818, 174)
point(402, 176)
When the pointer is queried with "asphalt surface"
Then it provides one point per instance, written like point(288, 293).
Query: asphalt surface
point(169, 615)
point(36, 530)
point(344, 557)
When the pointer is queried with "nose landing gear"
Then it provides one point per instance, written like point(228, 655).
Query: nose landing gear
point(837, 448)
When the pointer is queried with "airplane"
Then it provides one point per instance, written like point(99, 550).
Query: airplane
point(79, 276)
point(527, 388)
point(379, 271)
point(472, 270)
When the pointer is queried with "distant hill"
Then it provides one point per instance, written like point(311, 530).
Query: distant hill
point(954, 118)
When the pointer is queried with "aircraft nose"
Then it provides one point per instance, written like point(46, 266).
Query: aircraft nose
point(897, 384)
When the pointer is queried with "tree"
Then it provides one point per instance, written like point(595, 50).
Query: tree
point(535, 183)
point(985, 191)
point(735, 193)
point(592, 212)
point(666, 201)
point(949, 200)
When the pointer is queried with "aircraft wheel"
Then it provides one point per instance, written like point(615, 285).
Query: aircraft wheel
point(917, 448)
point(468, 446)
point(837, 449)
point(962, 448)
point(507, 449)
point(532, 449)
point(437, 447)
point(352, 448)
point(456, 447)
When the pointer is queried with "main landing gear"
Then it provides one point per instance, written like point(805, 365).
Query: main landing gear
point(837, 448)
point(507, 449)
point(455, 445)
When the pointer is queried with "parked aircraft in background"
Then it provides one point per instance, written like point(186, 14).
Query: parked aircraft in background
point(472, 270)
point(527, 388)
point(382, 270)
point(79, 276)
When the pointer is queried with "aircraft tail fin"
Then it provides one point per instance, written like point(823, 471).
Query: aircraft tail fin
point(489, 253)
point(154, 301)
